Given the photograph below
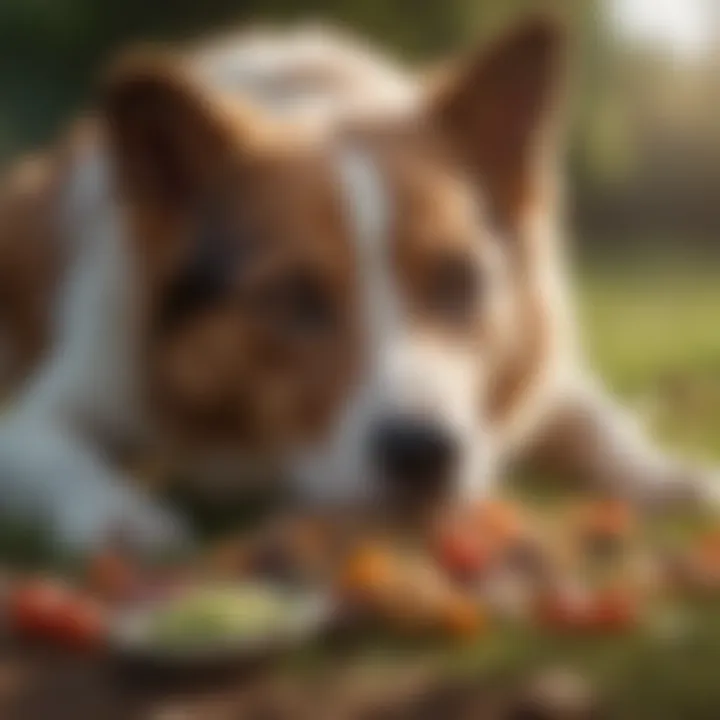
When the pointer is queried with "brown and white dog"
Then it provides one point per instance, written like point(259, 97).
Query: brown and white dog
point(284, 247)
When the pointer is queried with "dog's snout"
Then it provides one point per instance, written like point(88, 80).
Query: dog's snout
point(411, 450)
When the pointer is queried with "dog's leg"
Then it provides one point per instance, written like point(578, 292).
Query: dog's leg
point(589, 436)
point(54, 477)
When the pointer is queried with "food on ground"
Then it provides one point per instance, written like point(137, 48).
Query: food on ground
point(614, 610)
point(461, 617)
point(51, 611)
point(482, 565)
point(577, 608)
point(205, 617)
point(605, 520)
point(500, 522)
point(368, 574)
point(462, 553)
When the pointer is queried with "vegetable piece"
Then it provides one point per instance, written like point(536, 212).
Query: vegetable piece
point(50, 611)
point(613, 610)
point(34, 607)
point(499, 521)
point(461, 554)
point(606, 610)
point(564, 609)
point(369, 573)
point(83, 625)
point(461, 617)
point(215, 615)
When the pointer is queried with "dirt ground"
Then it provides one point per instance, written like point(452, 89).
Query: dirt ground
point(39, 685)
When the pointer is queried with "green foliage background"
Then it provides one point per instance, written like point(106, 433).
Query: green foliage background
point(644, 151)
point(50, 50)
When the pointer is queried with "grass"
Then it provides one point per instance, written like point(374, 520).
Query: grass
point(655, 338)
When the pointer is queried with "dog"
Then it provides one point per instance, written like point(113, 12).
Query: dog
point(284, 249)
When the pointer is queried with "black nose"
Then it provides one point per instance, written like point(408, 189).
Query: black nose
point(411, 451)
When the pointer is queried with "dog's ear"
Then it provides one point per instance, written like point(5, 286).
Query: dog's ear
point(496, 110)
point(169, 138)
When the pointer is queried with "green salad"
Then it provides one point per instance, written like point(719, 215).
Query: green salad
point(211, 616)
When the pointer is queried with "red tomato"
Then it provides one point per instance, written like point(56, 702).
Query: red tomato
point(82, 625)
point(563, 610)
point(610, 610)
point(34, 605)
point(461, 554)
point(49, 611)
point(613, 610)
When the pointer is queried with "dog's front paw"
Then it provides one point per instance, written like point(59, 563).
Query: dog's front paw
point(681, 486)
point(706, 484)
point(112, 516)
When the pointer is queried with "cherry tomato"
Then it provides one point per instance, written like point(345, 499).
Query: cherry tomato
point(34, 606)
point(50, 611)
point(461, 554)
point(607, 610)
point(563, 610)
point(613, 610)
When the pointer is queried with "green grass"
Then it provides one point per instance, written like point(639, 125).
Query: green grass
point(655, 338)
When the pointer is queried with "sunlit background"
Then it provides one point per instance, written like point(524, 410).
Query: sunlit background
point(645, 151)
point(682, 27)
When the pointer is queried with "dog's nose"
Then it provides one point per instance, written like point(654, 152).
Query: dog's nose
point(411, 451)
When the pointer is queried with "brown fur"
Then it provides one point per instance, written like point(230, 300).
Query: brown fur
point(30, 257)
point(232, 373)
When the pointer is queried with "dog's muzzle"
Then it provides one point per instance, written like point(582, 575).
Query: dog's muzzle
point(416, 457)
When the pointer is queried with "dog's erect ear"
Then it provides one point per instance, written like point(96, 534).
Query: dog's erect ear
point(496, 110)
point(169, 138)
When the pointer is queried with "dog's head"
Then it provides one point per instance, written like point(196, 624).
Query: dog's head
point(343, 302)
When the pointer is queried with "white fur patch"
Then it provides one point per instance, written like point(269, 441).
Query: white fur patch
point(52, 466)
point(338, 470)
point(91, 373)
point(312, 76)
point(404, 374)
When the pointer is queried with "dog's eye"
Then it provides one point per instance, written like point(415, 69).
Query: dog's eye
point(453, 288)
point(299, 304)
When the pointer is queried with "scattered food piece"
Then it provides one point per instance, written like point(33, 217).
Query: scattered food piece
point(368, 574)
point(462, 618)
point(500, 522)
point(614, 610)
point(48, 610)
point(462, 554)
point(564, 608)
point(209, 616)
